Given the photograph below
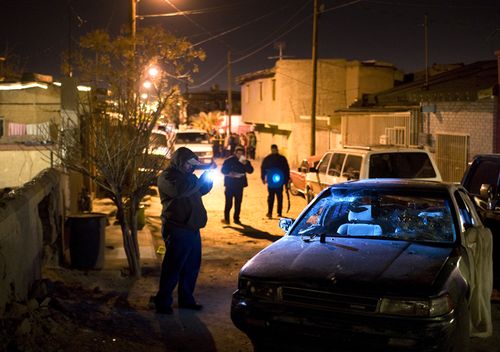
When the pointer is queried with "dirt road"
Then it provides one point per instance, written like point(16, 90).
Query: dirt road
point(103, 310)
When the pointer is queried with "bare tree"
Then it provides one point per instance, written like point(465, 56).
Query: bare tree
point(11, 66)
point(111, 139)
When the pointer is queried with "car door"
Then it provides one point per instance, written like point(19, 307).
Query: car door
point(334, 172)
point(299, 178)
point(478, 264)
point(316, 180)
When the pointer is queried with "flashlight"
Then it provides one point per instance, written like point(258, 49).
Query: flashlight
point(275, 178)
point(210, 175)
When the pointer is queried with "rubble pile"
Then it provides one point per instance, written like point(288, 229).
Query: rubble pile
point(58, 317)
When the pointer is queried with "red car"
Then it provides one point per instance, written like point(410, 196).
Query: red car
point(298, 177)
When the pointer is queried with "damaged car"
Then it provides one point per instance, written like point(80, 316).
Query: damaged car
point(377, 264)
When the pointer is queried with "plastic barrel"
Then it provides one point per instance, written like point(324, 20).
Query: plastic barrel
point(86, 240)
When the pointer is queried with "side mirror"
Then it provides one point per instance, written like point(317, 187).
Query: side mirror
point(285, 224)
point(489, 194)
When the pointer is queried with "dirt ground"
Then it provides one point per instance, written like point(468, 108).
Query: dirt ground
point(104, 310)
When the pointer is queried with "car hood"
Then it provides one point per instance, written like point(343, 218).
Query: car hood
point(396, 266)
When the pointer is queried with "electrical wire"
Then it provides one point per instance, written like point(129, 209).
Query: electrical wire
point(194, 22)
point(209, 79)
point(238, 27)
point(306, 3)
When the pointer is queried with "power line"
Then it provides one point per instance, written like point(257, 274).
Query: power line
point(236, 28)
point(211, 78)
point(283, 25)
point(193, 21)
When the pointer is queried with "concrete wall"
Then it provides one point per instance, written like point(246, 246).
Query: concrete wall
point(340, 83)
point(37, 104)
point(30, 222)
point(19, 164)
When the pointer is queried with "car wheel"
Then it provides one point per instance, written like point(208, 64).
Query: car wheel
point(293, 190)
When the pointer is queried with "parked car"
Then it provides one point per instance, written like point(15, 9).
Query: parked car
point(298, 177)
point(373, 265)
point(482, 180)
point(198, 141)
point(346, 164)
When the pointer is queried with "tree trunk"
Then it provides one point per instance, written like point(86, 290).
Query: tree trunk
point(129, 234)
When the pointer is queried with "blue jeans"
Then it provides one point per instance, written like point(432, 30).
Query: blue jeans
point(181, 265)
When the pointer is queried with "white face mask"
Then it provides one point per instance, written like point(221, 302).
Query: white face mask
point(242, 158)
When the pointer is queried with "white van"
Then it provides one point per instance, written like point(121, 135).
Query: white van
point(346, 164)
point(198, 141)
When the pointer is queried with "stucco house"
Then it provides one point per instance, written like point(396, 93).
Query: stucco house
point(277, 101)
point(30, 111)
point(454, 114)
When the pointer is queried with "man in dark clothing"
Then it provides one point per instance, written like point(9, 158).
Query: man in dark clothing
point(235, 169)
point(276, 173)
point(183, 215)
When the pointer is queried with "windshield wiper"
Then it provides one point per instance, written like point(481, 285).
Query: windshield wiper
point(313, 231)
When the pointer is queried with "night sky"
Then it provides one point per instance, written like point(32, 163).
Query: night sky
point(387, 30)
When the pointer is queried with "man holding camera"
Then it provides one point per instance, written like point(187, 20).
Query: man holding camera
point(183, 215)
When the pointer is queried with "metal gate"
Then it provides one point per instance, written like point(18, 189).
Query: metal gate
point(451, 155)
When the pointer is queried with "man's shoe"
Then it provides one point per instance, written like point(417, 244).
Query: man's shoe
point(238, 222)
point(164, 310)
point(269, 215)
point(280, 216)
point(224, 221)
point(192, 306)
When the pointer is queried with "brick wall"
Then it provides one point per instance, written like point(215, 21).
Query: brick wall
point(475, 119)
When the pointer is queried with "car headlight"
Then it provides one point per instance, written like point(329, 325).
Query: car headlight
point(418, 308)
point(258, 290)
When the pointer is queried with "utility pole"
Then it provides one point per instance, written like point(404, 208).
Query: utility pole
point(426, 45)
point(229, 93)
point(133, 18)
point(314, 78)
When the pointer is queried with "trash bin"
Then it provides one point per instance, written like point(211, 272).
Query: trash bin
point(86, 240)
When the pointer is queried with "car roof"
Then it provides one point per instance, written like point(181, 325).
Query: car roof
point(409, 184)
point(486, 157)
point(377, 149)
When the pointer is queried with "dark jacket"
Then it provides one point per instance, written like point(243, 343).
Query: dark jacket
point(181, 193)
point(232, 164)
point(273, 163)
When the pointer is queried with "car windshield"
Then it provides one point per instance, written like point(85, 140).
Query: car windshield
point(191, 137)
point(401, 165)
point(379, 214)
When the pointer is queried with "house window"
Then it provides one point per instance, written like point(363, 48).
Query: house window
point(247, 95)
point(274, 89)
point(260, 91)
point(2, 124)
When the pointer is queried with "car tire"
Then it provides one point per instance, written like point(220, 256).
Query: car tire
point(293, 190)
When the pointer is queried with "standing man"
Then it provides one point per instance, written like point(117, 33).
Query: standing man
point(276, 173)
point(183, 215)
point(235, 169)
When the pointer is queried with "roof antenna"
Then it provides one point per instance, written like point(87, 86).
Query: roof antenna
point(280, 46)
